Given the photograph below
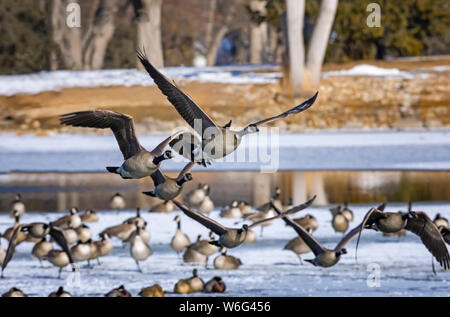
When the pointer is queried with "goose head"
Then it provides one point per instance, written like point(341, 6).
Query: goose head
point(186, 178)
point(244, 228)
point(251, 128)
point(340, 252)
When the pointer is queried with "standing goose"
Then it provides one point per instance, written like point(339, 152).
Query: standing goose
point(60, 293)
point(139, 250)
point(59, 259)
point(196, 284)
point(137, 219)
point(70, 235)
point(71, 221)
point(122, 231)
point(276, 200)
point(415, 221)
point(440, 221)
point(298, 246)
point(206, 206)
point(308, 222)
point(347, 212)
point(81, 251)
point(226, 262)
point(246, 208)
point(232, 237)
point(84, 233)
point(205, 247)
point(180, 241)
point(89, 216)
point(195, 197)
point(193, 256)
point(167, 188)
point(37, 230)
point(323, 257)
point(232, 211)
point(17, 207)
point(339, 221)
point(41, 249)
point(216, 141)
point(138, 162)
point(104, 246)
point(117, 202)
point(166, 207)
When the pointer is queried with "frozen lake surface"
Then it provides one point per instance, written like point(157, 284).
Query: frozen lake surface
point(267, 270)
point(269, 151)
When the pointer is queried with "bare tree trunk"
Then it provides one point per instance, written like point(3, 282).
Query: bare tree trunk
point(149, 32)
point(258, 35)
point(210, 23)
point(295, 14)
point(319, 40)
point(97, 39)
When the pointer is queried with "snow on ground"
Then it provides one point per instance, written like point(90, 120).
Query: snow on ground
point(307, 151)
point(232, 74)
point(267, 270)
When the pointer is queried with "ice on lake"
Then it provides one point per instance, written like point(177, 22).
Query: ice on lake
point(268, 270)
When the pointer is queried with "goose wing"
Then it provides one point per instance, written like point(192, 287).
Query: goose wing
point(187, 108)
point(301, 107)
point(158, 177)
point(209, 223)
point(158, 151)
point(121, 125)
point(58, 235)
point(292, 210)
point(185, 170)
point(12, 246)
point(350, 235)
point(422, 226)
point(312, 243)
point(185, 144)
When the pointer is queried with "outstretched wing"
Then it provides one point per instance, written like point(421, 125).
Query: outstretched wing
point(158, 151)
point(301, 107)
point(185, 170)
point(209, 223)
point(185, 144)
point(11, 246)
point(121, 125)
point(58, 236)
point(312, 243)
point(187, 108)
point(422, 226)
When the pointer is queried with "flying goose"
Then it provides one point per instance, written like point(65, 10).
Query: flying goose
point(14, 292)
point(41, 249)
point(180, 241)
point(415, 221)
point(196, 284)
point(117, 202)
point(226, 262)
point(167, 188)
point(17, 207)
point(323, 257)
point(60, 293)
point(216, 141)
point(233, 237)
point(440, 221)
point(89, 216)
point(118, 292)
point(37, 230)
point(139, 162)
point(215, 285)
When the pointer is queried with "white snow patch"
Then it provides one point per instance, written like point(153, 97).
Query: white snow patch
point(369, 70)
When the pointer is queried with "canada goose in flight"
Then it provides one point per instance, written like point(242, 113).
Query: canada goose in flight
point(14, 292)
point(180, 241)
point(215, 285)
point(440, 221)
point(139, 250)
point(415, 221)
point(138, 162)
point(196, 284)
point(89, 216)
point(70, 221)
point(347, 212)
point(226, 262)
point(17, 207)
point(233, 237)
point(308, 222)
point(400, 233)
point(195, 197)
point(117, 202)
point(166, 207)
point(232, 211)
point(122, 231)
point(152, 291)
point(37, 230)
point(118, 292)
point(167, 188)
point(216, 141)
point(41, 249)
point(323, 257)
point(84, 233)
point(60, 293)
point(445, 232)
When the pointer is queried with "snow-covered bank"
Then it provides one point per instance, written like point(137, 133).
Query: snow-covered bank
point(308, 151)
point(267, 270)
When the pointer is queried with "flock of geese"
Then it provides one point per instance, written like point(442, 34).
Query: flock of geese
point(207, 142)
